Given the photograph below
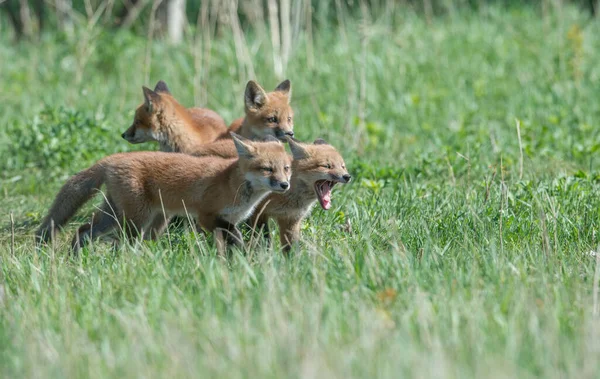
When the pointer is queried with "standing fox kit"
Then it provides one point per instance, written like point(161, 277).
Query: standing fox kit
point(176, 128)
point(145, 189)
point(317, 168)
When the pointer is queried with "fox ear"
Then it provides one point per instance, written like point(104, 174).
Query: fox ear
point(254, 96)
point(161, 86)
point(298, 151)
point(150, 98)
point(320, 141)
point(244, 146)
point(285, 87)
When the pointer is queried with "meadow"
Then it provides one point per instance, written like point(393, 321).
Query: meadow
point(466, 245)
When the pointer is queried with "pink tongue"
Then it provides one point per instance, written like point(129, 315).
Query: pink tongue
point(326, 196)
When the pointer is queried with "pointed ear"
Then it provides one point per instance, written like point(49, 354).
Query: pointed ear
point(244, 146)
point(298, 151)
point(161, 86)
point(286, 88)
point(320, 141)
point(254, 96)
point(150, 99)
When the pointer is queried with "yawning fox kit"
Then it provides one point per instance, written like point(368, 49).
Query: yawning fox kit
point(221, 176)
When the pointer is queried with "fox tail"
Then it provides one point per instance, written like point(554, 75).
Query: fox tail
point(73, 195)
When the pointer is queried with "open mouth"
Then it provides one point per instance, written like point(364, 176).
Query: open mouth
point(323, 189)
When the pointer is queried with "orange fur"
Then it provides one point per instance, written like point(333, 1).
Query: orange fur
point(163, 119)
point(261, 109)
point(219, 193)
point(266, 113)
point(236, 125)
point(290, 208)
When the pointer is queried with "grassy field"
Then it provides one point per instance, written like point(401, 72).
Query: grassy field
point(473, 217)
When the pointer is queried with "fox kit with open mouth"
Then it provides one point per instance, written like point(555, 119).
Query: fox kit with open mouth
point(317, 169)
point(144, 189)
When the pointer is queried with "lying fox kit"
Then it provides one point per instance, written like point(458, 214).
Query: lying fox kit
point(176, 128)
point(140, 186)
point(317, 169)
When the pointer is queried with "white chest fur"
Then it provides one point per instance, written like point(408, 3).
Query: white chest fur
point(243, 207)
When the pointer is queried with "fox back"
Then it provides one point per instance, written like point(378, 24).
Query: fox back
point(163, 119)
point(142, 187)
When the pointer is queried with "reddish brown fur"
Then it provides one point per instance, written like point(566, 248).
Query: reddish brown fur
point(140, 185)
point(176, 128)
point(290, 208)
point(266, 113)
point(260, 108)
point(236, 125)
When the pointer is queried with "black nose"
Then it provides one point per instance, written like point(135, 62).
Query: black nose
point(291, 134)
point(284, 185)
point(347, 177)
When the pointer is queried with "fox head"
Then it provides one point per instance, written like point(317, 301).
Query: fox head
point(268, 114)
point(146, 122)
point(319, 166)
point(265, 165)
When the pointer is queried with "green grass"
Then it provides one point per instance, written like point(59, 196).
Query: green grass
point(456, 265)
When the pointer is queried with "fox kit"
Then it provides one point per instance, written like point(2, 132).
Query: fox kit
point(267, 114)
point(176, 128)
point(145, 189)
point(317, 168)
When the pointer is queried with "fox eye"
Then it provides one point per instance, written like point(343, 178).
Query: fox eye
point(327, 166)
point(272, 119)
point(289, 119)
point(286, 168)
point(267, 169)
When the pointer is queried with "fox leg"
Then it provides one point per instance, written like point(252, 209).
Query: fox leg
point(102, 222)
point(289, 233)
point(157, 226)
point(227, 233)
point(260, 223)
point(134, 227)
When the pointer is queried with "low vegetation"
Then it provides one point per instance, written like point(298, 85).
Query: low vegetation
point(465, 246)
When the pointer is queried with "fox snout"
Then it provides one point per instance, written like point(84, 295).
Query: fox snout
point(345, 178)
point(279, 186)
point(129, 134)
point(282, 134)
